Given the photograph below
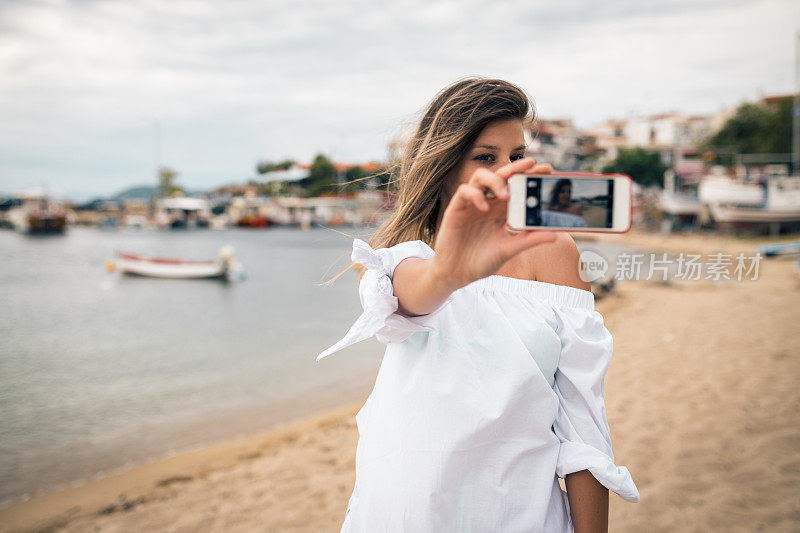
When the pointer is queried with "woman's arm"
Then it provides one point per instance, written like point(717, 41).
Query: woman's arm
point(559, 263)
point(419, 288)
point(588, 502)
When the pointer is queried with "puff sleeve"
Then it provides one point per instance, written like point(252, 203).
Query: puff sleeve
point(380, 317)
point(581, 424)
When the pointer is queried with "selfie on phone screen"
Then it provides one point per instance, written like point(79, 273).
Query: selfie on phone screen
point(566, 201)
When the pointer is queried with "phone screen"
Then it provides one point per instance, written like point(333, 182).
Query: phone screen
point(569, 203)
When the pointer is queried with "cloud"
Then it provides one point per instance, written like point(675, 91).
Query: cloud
point(85, 83)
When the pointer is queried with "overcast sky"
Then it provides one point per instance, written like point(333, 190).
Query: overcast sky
point(85, 86)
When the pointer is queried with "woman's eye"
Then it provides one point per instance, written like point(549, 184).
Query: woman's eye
point(489, 158)
point(517, 157)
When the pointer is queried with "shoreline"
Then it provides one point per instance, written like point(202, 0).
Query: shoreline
point(261, 421)
point(688, 433)
point(125, 489)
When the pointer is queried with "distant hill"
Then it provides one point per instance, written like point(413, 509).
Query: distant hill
point(141, 192)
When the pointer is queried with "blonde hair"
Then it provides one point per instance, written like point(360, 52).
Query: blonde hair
point(448, 127)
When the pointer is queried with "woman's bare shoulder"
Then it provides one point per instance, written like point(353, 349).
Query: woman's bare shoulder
point(557, 262)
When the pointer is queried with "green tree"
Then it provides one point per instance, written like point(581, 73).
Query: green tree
point(262, 167)
point(643, 166)
point(166, 183)
point(355, 173)
point(322, 176)
point(756, 129)
point(384, 177)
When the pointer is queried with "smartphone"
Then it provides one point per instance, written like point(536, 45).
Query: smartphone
point(570, 201)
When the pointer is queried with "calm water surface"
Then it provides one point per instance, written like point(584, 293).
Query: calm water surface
point(100, 371)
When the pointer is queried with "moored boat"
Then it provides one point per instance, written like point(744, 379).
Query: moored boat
point(39, 213)
point(775, 200)
point(226, 267)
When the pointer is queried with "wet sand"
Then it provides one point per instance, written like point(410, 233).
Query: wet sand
point(702, 398)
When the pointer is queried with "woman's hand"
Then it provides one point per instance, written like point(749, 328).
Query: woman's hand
point(473, 240)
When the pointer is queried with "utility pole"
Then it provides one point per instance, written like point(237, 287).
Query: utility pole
point(796, 108)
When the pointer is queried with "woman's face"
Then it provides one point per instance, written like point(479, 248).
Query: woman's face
point(565, 195)
point(500, 143)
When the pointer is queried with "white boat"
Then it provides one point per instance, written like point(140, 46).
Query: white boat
point(720, 189)
point(729, 201)
point(676, 202)
point(226, 267)
point(182, 212)
point(680, 203)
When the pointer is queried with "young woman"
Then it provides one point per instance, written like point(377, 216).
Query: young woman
point(560, 210)
point(492, 383)
point(561, 198)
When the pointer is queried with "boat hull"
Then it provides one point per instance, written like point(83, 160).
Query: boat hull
point(47, 224)
point(171, 269)
point(728, 213)
point(680, 204)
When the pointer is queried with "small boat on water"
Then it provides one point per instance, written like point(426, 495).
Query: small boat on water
point(39, 213)
point(227, 267)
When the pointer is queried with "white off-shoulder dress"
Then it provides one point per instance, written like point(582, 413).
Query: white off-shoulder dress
point(480, 406)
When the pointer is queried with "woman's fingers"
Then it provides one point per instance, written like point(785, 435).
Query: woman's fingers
point(545, 168)
point(520, 165)
point(469, 194)
point(497, 181)
point(483, 178)
point(475, 191)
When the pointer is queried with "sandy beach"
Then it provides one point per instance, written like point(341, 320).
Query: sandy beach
point(702, 398)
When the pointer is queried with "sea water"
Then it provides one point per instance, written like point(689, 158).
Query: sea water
point(99, 372)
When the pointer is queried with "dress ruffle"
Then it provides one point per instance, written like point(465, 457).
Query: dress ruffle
point(376, 291)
